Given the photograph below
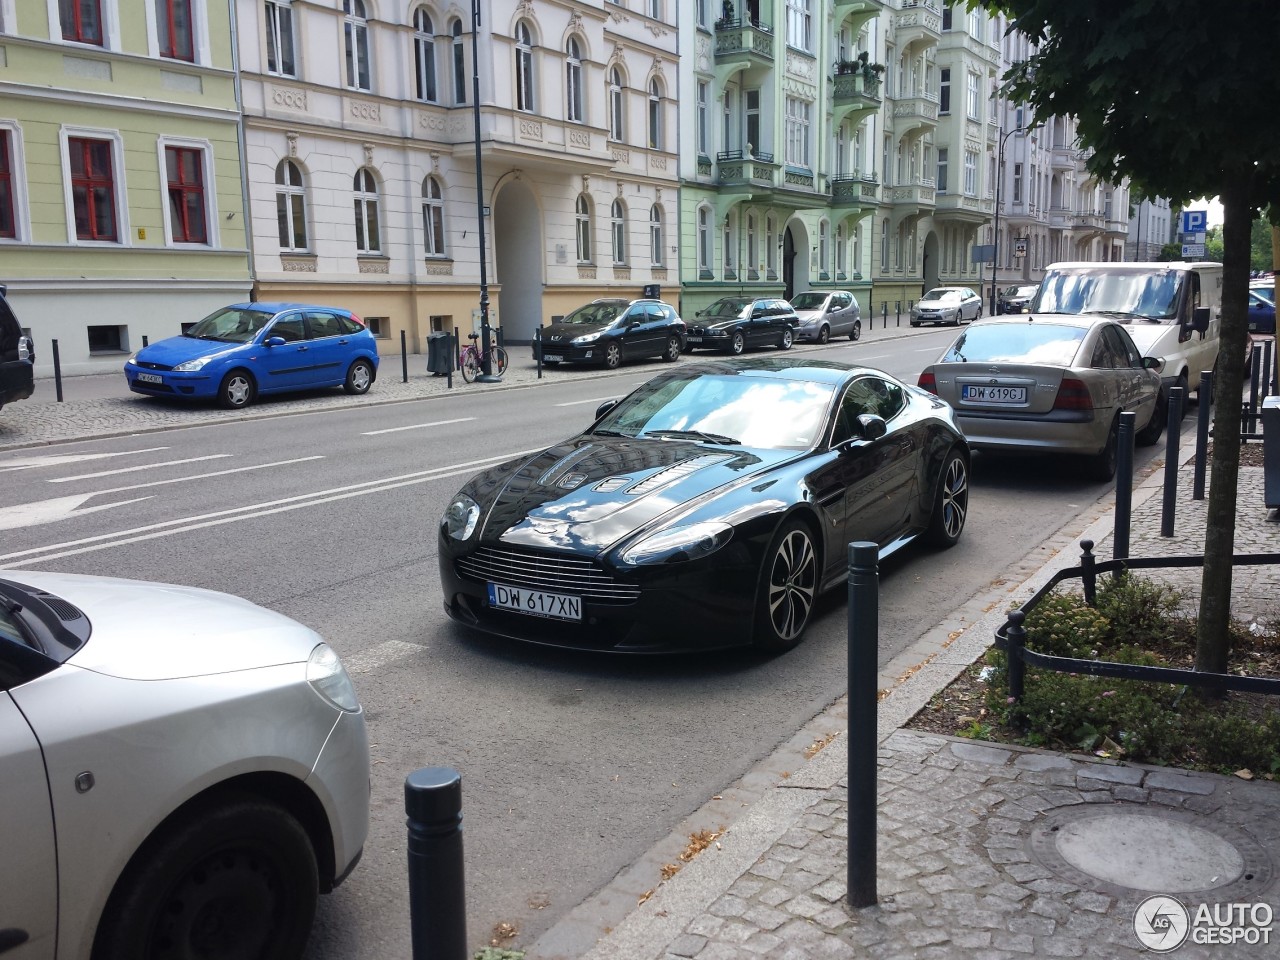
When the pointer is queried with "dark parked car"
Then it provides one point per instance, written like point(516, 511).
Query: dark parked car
point(17, 357)
point(734, 324)
point(240, 351)
point(706, 509)
point(1262, 309)
point(1017, 299)
point(609, 331)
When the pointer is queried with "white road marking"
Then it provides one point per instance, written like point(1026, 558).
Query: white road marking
point(576, 403)
point(50, 511)
point(375, 658)
point(416, 426)
point(145, 466)
point(62, 459)
point(206, 476)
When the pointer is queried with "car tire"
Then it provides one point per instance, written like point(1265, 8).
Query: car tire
point(1102, 466)
point(672, 353)
point(824, 334)
point(359, 377)
point(788, 588)
point(786, 340)
point(914, 324)
point(1186, 395)
point(856, 332)
point(950, 502)
point(237, 390)
point(1149, 435)
point(612, 355)
point(238, 880)
point(738, 343)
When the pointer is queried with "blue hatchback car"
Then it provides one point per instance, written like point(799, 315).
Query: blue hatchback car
point(240, 351)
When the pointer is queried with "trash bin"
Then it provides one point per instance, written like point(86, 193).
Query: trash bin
point(439, 354)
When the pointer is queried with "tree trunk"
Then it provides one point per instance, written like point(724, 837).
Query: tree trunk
point(1213, 642)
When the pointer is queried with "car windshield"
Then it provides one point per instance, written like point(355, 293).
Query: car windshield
point(1048, 343)
point(767, 413)
point(233, 324)
point(1021, 291)
point(726, 307)
point(941, 294)
point(1152, 294)
point(597, 313)
point(813, 300)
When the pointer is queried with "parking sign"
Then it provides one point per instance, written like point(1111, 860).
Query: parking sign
point(1195, 221)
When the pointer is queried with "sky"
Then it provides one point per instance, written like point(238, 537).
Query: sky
point(1212, 205)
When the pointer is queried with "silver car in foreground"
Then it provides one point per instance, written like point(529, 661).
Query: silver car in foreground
point(181, 772)
point(1022, 384)
point(827, 313)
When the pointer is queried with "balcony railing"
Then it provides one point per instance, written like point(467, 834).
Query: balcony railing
point(855, 89)
point(738, 168)
point(736, 37)
point(854, 191)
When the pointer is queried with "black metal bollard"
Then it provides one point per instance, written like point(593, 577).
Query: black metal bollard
point(1204, 397)
point(884, 314)
point(1017, 642)
point(1172, 435)
point(437, 907)
point(863, 643)
point(57, 372)
point(898, 310)
point(537, 349)
point(404, 359)
point(145, 342)
point(1124, 486)
point(1088, 572)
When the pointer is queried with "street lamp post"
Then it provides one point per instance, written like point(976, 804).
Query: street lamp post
point(486, 355)
point(995, 239)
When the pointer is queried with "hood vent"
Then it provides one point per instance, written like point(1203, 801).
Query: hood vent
point(678, 471)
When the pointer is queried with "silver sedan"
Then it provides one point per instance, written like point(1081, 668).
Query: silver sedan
point(1019, 384)
point(181, 771)
point(953, 305)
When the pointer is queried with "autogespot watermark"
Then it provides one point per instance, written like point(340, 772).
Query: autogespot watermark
point(1163, 923)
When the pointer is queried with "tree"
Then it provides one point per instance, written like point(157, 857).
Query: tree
point(1213, 246)
point(1168, 97)
point(1260, 245)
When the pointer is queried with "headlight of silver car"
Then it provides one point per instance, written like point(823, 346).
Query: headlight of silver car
point(328, 677)
point(460, 517)
point(678, 544)
point(190, 366)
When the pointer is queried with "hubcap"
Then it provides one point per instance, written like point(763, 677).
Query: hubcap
point(238, 391)
point(360, 378)
point(955, 498)
point(792, 585)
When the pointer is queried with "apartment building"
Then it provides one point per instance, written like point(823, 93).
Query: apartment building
point(121, 211)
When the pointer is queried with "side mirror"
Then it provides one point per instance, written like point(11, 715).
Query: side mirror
point(605, 408)
point(275, 341)
point(1153, 363)
point(871, 426)
point(1200, 320)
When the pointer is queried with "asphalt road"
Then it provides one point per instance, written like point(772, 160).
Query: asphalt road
point(572, 765)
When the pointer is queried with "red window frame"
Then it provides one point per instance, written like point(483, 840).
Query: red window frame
point(76, 26)
point(8, 210)
point(177, 36)
point(93, 188)
point(185, 170)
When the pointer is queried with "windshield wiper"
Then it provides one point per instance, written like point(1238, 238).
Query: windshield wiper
point(1122, 313)
point(613, 433)
point(693, 435)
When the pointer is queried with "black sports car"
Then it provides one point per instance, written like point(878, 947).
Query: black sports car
point(706, 509)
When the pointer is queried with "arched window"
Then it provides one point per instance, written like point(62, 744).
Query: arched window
point(618, 231)
point(617, 128)
point(583, 228)
point(424, 56)
point(433, 217)
point(704, 241)
point(656, 241)
point(655, 115)
point(356, 36)
point(291, 206)
point(458, 63)
point(524, 68)
point(573, 82)
point(366, 197)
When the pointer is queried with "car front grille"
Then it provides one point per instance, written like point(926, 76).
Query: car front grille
point(147, 365)
point(554, 573)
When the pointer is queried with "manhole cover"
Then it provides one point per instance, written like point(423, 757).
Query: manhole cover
point(1120, 848)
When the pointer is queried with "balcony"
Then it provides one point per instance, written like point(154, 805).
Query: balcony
point(921, 194)
point(957, 208)
point(918, 113)
point(1059, 218)
point(853, 193)
point(742, 45)
point(854, 13)
point(739, 172)
point(1115, 229)
point(918, 24)
point(1062, 157)
point(1087, 224)
point(854, 96)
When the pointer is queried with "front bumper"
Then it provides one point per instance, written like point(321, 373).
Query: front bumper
point(170, 383)
point(17, 381)
point(567, 352)
point(340, 778)
point(709, 339)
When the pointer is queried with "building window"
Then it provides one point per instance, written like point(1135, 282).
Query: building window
point(884, 245)
point(946, 16)
point(751, 119)
point(728, 244)
point(8, 195)
point(93, 189)
point(824, 250)
point(81, 21)
point(618, 231)
point(173, 22)
point(702, 14)
point(368, 239)
point(944, 90)
point(459, 64)
point(798, 132)
point(800, 25)
point(524, 68)
point(583, 228)
point(842, 251)
point(184, 167)
point(573, 82)
point(291, 206)
point(753, 252)
point(655, 9)
point(617, 127)
point(657, 254)
point(971, 173)
point(974, 104)
point(944, 154)
point(655, 115)
point(280, 38)
point(108, 338)
point(356, 37)
point(770, 247)
point(1017, 183)
point(424, 56)
point(433, 217)
point(703, 117)
point(704, 241)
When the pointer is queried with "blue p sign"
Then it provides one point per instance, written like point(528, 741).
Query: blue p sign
point(1195, 221)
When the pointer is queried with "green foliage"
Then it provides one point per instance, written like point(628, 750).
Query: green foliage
point(1139, 611)
point(1260, 253)
point(1063, 625)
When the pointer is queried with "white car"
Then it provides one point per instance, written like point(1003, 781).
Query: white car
point(953, 305)
point(181, 772)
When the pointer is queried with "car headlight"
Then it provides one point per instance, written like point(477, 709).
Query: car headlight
point(190, 366)
point(460, 517)
point(329, 678)
point(585, 338)
point(678, 544)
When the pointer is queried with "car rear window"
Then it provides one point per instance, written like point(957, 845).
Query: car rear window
point(1017, 343)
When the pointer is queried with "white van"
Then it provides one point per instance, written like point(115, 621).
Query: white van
point(1171, 310)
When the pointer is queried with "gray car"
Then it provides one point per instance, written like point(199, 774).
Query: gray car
point(827, 313)
point(953, 305)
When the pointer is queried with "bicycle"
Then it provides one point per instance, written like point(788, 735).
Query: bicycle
point(471, 362)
